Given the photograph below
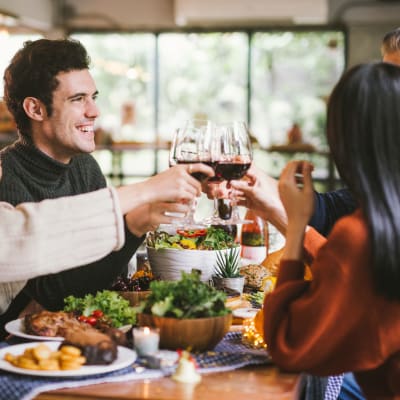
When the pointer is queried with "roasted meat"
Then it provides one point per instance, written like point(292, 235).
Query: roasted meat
point(95, 346)
point(47, 323)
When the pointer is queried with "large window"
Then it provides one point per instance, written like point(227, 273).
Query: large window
point(291, 78)
point(150, 83)
point(201, 75)
point(122, 66)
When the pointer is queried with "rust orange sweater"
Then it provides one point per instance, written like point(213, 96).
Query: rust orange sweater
point(336, 322)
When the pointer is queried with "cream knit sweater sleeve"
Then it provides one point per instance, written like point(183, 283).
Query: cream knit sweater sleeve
point(54, 235)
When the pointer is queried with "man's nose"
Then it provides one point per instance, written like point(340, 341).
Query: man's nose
point(92, 110)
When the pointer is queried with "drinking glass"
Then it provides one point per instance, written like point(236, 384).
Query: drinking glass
point(235, 159)
point(192, 144)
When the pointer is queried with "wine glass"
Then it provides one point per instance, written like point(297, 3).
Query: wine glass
point(192, 144)
point(235, 159)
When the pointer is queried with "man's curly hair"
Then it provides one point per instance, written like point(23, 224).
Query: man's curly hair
point(33, 73)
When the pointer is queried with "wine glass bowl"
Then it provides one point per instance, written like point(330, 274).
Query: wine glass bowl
point(192, 143)
point(235, 159)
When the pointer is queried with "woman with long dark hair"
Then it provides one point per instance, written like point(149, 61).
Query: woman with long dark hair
point(348, 317)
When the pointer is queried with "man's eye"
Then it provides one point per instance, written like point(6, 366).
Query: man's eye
point(78, 98)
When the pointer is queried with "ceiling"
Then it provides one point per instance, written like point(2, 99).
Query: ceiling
point(55, 15)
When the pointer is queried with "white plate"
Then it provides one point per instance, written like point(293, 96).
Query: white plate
point(17, 328)
point(125, 358)
point(245, 312)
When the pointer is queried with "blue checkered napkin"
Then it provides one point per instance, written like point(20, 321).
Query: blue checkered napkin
point(230, 354)
point(25, 387)
point(333, 387)
point(321, 388)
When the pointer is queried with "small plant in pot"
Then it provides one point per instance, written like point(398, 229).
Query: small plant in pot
point(227, 271)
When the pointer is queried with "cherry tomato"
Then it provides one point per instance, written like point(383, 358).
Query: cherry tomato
point(91, 321)
point(82, 318)
point(192, 233)
point(97, 314)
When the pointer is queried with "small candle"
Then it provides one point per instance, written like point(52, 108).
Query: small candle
point(146, 340)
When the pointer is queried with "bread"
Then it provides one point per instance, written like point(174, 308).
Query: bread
point(254, 275)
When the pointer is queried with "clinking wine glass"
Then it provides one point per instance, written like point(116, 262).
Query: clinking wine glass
point(235, 160)
point(191, 145)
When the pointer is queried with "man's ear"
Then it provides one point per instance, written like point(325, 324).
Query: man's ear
point(34, 108)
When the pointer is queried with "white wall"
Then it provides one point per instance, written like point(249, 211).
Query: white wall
point(36, 14)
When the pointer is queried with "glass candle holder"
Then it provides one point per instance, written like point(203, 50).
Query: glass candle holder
point(146, 340)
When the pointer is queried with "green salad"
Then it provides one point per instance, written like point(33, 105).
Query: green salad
point(114, 307)
point(186, 298)
point(198, 239)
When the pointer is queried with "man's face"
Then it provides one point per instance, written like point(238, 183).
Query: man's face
point(69, 130)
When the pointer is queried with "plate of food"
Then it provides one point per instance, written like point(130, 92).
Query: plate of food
point(17, 328)
point(245, 312)
point(36, 356)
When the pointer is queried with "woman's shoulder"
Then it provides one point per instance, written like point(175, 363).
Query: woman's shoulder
point(350, 231)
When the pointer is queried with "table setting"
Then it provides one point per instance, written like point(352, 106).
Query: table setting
point(228, 355)
point(178, 324)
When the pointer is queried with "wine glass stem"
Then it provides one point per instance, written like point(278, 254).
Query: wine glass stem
point(189, 219)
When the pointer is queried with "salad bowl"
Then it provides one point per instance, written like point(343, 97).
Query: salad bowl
point(188, 313)
point(198, 334)
point(168, 264)
point(168, 256)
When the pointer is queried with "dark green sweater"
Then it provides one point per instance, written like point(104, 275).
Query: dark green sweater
point(30, 175)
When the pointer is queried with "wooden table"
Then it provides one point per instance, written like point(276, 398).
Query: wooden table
point(255, 383)
point(261, 382)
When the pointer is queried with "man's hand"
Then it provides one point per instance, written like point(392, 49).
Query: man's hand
point(149, 216)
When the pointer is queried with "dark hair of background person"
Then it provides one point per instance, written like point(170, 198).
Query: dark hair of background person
point(32, 73)
point(391, 42)
point(363, 134)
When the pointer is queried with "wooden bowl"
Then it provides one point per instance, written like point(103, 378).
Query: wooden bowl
point(197, 334)
point(134, 298)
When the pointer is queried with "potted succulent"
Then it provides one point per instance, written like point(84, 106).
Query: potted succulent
point(227, 271)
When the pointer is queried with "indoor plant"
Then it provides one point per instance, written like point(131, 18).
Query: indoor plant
point(227, 271)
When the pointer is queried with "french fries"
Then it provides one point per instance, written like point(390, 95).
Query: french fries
point(41, 357)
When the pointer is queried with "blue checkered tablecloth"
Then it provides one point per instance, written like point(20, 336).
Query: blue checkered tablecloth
point(229, 354)
point(321, 388)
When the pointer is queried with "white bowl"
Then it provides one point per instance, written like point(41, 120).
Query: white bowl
point(168, 264)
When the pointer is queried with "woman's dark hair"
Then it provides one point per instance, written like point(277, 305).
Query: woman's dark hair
point(363, 131)
point(32, 73)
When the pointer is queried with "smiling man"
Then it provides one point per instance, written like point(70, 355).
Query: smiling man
point(52, 96)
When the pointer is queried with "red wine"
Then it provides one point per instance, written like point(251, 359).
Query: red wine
point(200, 176)
point(224, 209)
point(230, 170)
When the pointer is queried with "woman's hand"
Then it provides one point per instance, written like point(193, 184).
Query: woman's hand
point(297, 193)
point(259, 192)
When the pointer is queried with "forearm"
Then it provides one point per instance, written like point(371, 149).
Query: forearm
point(72, 230)
point(294, 243)
point(132, 196)
point(50, 290)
